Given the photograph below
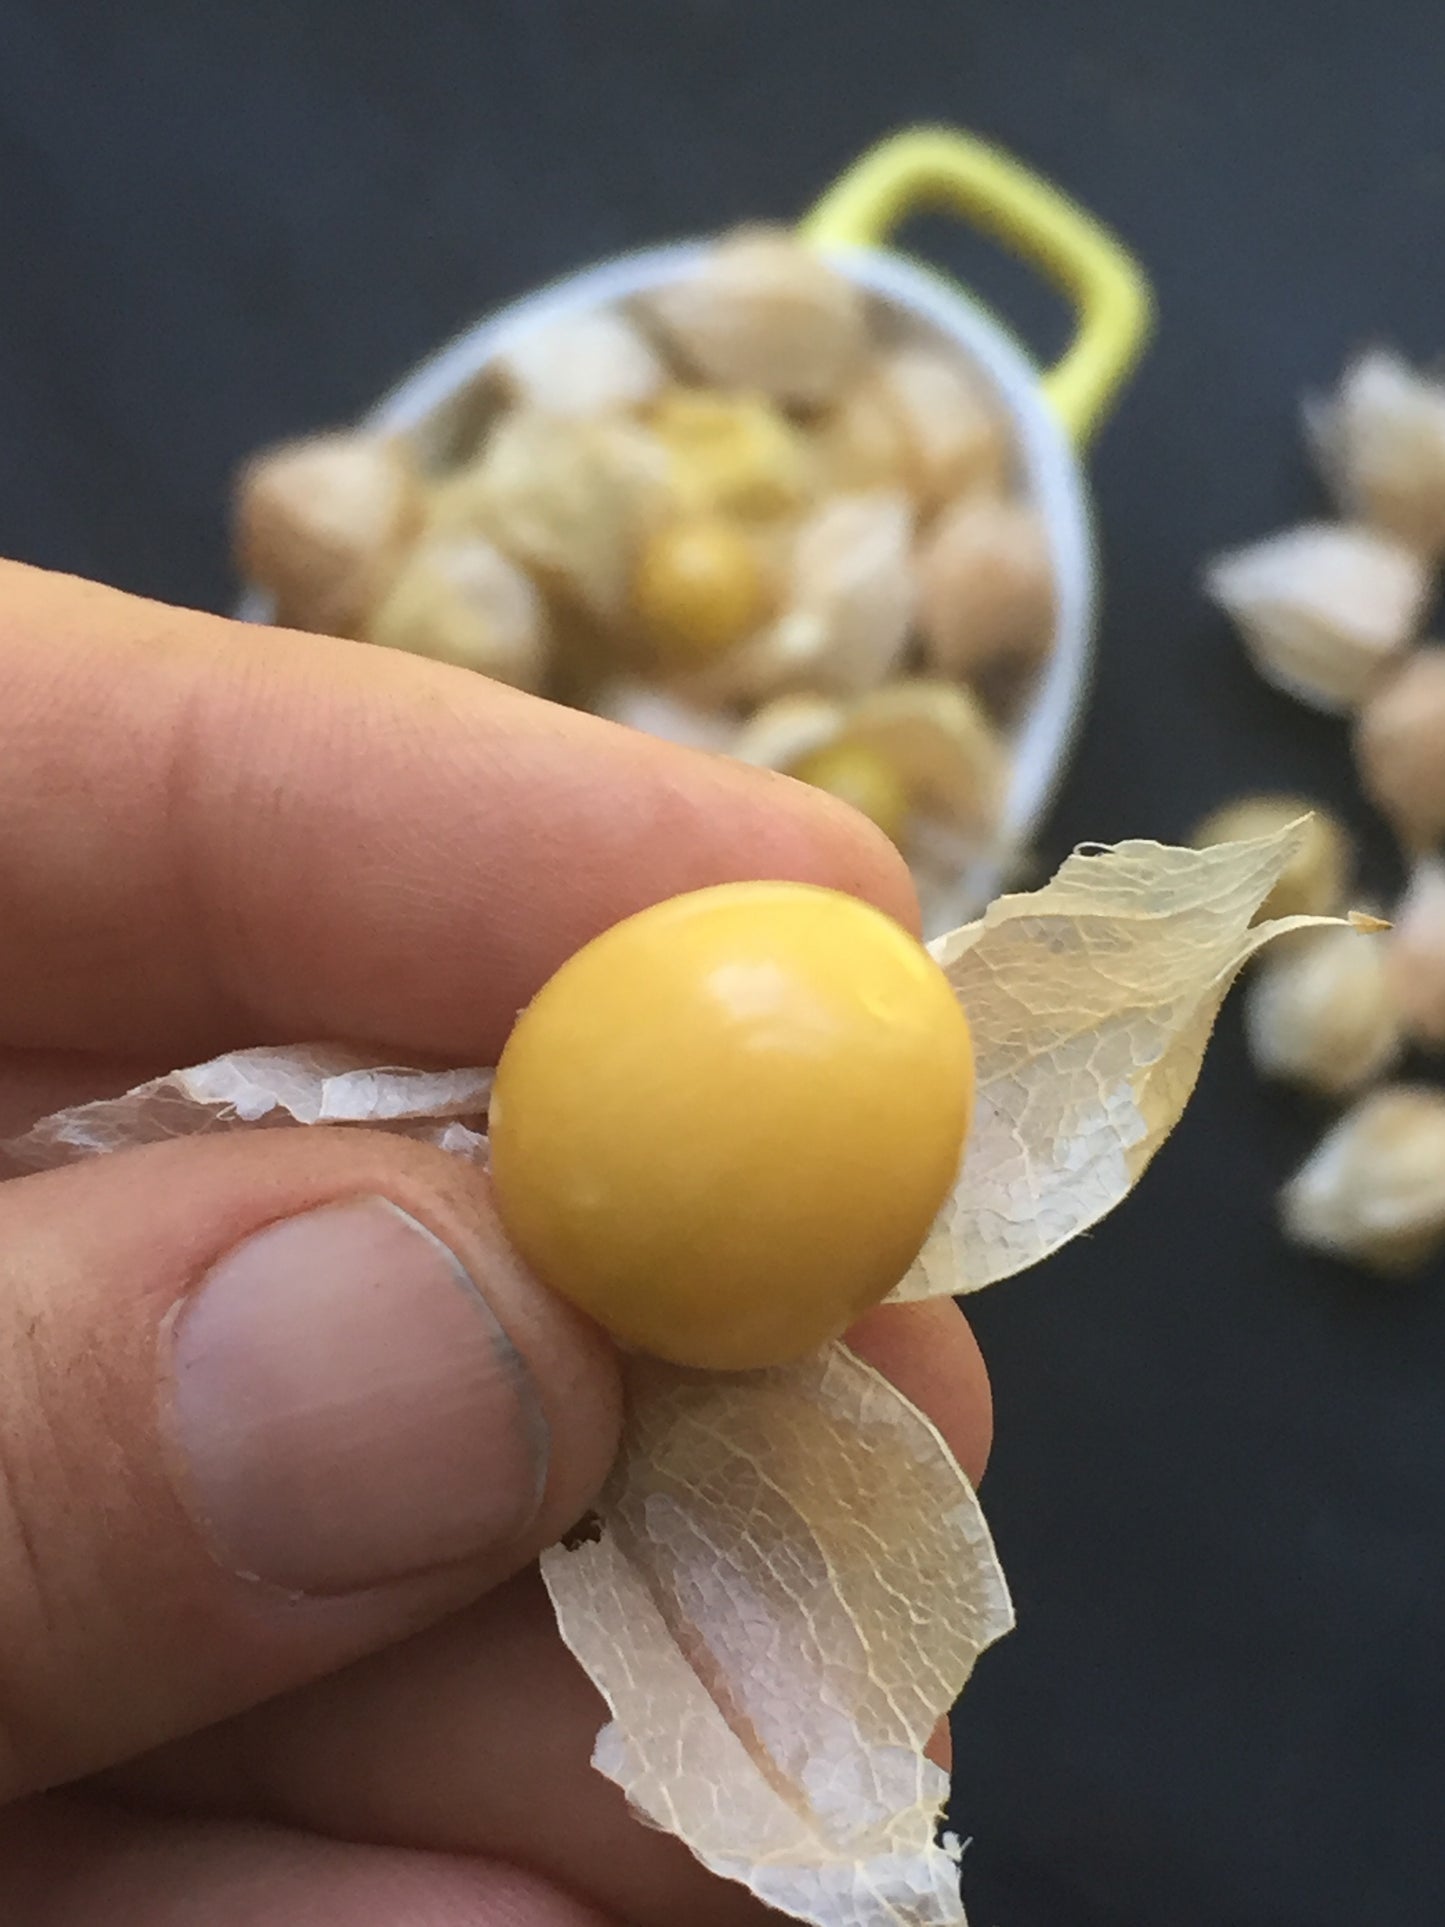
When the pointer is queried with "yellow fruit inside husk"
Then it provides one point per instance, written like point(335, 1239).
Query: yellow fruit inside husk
point(859, 776)
point(698, 590)
point(724, 1127)
point(734, 454)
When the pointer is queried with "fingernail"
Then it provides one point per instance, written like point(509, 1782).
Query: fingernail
point(346, 1408)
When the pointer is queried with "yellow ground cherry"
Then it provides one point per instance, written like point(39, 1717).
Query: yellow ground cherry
point(733, 454)
point(862, 777)
point(698, 589)
point(724, 1127)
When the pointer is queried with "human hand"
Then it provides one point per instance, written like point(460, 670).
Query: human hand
point(283, 1424)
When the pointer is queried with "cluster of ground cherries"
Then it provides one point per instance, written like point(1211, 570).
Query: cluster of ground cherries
point(724, 1127)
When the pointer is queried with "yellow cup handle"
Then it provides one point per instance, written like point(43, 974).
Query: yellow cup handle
point(934, 167)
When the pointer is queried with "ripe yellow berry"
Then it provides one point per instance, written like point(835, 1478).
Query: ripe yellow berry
point(698, 590)
point(724, 1127)
point(734, 454)
point(862, 777)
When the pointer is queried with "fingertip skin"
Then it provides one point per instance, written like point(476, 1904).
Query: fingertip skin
point(222, 833)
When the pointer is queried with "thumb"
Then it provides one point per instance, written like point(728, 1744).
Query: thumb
point(267, 1402)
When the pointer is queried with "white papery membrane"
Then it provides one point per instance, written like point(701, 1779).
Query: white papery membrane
point(266, 1089)
point(788, 1580)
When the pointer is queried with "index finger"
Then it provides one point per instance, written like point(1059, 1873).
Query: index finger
point(214, 834)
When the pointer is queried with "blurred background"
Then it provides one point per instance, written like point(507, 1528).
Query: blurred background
point(1219, 1481)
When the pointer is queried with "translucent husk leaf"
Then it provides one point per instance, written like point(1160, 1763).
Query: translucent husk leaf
point(1091, 1001)
point(791, 1583)
point(788, 1578)
point(264, 1089)
point(1315, 880)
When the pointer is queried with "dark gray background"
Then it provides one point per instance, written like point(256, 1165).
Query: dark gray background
point(1219, 1485)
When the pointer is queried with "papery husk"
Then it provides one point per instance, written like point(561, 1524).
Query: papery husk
point(787, 1579)
point(788, 729)
point(580, 364)
point(957, 437)
point(1091, 1002)
point(764, 311)
point(1380, 442)
point(1415, 955)
point(1400, 748)
point(862, 442)
point(941, 743)
point(933, 735)
point(852, 589)
point(1373, 1190)
point(950, 765)
point(458, 599)
point(268, 1088)
point(1322, 1013)
point(846, 612)
point(1324, 609)
point(321, 525)
point(918, 419)
point(642, 706)
point(1314, 881)
point(768, 1532)
point(569, 500)
point(986, 589)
